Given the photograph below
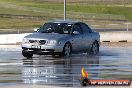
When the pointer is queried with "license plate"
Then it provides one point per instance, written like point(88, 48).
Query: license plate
point(36, 46)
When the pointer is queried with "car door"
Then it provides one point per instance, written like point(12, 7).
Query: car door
point(87, 37)
point(77, 37)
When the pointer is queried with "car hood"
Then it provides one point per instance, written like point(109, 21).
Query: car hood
point(49, 36)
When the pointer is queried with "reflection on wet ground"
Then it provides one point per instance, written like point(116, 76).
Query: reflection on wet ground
point(112, 63)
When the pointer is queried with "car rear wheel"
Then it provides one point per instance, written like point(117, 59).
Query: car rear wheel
point(94, 49)
point(67, 50)
point(26, 54)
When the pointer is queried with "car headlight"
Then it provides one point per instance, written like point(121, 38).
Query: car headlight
point(52, 42)
point(25, 40)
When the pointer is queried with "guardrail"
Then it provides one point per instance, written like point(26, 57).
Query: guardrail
point(116, 36)
point(12, 38)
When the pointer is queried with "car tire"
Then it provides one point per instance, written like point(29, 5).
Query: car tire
point(67, 50)
point(26, 54)
point(94, 49)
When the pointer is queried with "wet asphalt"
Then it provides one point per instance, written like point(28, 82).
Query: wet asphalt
point(111, 63)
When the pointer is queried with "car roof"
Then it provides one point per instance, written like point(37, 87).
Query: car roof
point(63, 21)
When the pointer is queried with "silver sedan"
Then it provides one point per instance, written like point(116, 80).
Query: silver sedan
point(61, 38)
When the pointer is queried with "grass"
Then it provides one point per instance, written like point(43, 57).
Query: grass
point(76, 7)
point(19, 23)
point(50, 9)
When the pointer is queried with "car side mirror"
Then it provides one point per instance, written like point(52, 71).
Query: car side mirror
point(76, 33)
point(35, 29)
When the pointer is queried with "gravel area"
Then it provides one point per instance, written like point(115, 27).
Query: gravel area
point(116, 44)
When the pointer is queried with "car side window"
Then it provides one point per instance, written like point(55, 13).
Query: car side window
point(77, 28)
point(85, 28)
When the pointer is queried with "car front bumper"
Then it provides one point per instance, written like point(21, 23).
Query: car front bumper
point(42, 49)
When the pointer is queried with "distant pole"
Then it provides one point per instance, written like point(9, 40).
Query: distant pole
point(127, 26)
point(64, 9)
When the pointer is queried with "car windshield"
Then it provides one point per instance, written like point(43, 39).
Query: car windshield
point(61, 28)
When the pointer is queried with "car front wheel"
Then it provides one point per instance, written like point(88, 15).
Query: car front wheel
point(26, 54)
point(67, 50)
point(94, 49)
